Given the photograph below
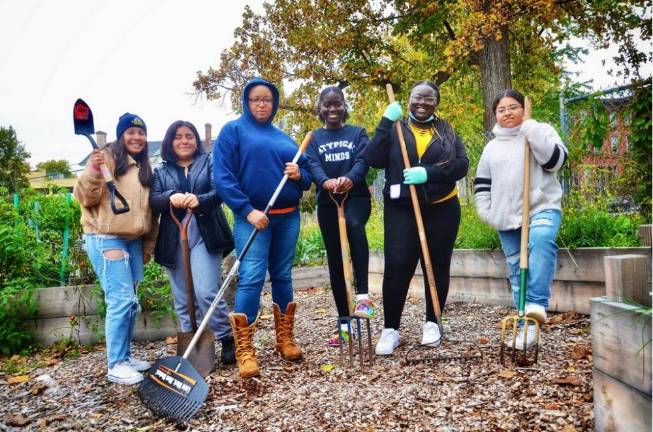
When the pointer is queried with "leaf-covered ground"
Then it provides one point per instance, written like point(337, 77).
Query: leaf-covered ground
point(45, 392)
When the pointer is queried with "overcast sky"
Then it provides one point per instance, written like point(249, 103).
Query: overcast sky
point(139, 56)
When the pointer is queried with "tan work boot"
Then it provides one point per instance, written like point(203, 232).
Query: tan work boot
point(245, 352)
point(283, 326)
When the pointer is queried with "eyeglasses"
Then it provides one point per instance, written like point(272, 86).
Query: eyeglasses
point(420, 99)
point(511, 109)
point(256, 101)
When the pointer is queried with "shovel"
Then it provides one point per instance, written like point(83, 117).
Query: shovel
point(202, 356)
point(83, 121)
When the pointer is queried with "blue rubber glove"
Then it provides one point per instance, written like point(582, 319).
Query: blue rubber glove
point(415, 175)
point(393, 112)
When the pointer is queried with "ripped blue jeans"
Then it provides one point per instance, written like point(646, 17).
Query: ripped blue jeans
point(118, 264)
point(542, 256)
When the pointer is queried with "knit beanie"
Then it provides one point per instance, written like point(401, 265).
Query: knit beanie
point(128, 120)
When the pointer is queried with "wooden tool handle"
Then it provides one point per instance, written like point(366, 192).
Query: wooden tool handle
point(526, 195)
point(430, 277)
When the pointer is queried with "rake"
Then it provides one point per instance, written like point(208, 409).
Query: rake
point(173, 388)
point(515, 321)
point(472, 352)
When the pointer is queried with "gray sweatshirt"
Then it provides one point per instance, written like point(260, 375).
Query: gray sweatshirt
point(499, 179)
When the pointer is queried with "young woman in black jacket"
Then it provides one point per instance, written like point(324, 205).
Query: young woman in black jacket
point(184, 179)
point(438, 159)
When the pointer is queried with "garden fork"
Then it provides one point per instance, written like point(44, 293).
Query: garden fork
point(521, 319)
point(349, 283)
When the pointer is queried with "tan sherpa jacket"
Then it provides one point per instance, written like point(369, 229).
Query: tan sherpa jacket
point(97, 217)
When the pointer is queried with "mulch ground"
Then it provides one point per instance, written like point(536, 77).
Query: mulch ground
point(319, 394)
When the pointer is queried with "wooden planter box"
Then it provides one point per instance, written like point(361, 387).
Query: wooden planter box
point(57, 305)
point(621, 355)
point(481, 276)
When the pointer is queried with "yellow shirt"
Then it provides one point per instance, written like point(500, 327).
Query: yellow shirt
point(422, 140)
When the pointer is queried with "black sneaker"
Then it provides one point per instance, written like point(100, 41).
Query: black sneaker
point(228, 353)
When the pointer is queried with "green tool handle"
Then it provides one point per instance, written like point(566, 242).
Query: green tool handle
point(525, 222)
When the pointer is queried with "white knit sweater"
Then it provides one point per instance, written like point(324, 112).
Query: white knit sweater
point(499, 177)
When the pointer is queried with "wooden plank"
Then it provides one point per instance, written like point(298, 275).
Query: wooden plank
point(619, 407)
point(621, 342)
point(91, 329)
point(626, 278)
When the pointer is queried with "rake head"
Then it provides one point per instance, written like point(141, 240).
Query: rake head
point(173, 389)
point(513, 327)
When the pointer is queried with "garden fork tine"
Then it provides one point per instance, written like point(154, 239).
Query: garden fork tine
point(520, 318)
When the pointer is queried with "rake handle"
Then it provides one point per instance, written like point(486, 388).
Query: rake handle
point(234, 269)
point(418, 220)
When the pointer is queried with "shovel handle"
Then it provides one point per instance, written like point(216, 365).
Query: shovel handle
point(430, 277)
point(185, 258)
point(525, 217)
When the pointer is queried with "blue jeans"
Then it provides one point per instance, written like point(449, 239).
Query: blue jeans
point(118, 279)
point(273, 250)
point(542, 254)
point(205, 268)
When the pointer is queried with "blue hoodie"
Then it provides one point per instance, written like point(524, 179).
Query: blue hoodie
point(249, 159)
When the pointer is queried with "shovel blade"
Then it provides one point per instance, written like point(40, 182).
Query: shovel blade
point(202, 357)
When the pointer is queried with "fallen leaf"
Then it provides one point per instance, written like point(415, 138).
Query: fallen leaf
point(562, 318)
point(17, 379)
point(327, 367)
point(580, 352)
point(507, 373)
point(569, 428)
point(320, 311)
point(171, 340)
point(483, 340)
point(17, 359)
point(570, 380)
point(52, 361)
point(551, 406)
point(16, 420)
point(38, 388)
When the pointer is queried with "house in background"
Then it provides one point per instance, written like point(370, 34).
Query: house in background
point(615, 145)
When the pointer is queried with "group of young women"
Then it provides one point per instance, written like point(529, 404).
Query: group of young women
point(250, 158)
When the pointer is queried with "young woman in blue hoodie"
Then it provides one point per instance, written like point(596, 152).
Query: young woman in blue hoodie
point(339, 170)
point(250, 157)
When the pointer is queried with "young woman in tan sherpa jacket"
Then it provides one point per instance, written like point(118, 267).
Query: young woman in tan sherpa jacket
point(118, 245)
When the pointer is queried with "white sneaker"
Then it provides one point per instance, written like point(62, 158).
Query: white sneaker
point(138, 364)
point(536, 312)
point(430, 333)
point(519, 341)
point(388, 341)
point(122, 373)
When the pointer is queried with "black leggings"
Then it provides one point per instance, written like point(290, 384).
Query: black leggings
point(402, 250)
point(357, 212)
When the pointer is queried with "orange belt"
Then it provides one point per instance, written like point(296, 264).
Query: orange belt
point(282, 210)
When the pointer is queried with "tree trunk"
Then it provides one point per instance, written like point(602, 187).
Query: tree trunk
point(494, 60)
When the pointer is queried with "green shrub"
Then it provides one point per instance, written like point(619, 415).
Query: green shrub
point(474, 233)
point(310, 246)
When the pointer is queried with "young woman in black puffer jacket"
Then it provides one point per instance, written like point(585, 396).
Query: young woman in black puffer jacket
point(184, 179)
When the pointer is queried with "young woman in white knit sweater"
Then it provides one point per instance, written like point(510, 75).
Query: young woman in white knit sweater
point(498, 195)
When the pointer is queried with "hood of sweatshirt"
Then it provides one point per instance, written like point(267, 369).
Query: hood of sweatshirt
point(247, 114)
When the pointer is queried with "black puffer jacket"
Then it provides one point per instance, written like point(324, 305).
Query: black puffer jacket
point(210, 218)
point(384, 151)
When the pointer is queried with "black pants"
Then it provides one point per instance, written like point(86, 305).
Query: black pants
point(402, 251)
point(357, 212)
